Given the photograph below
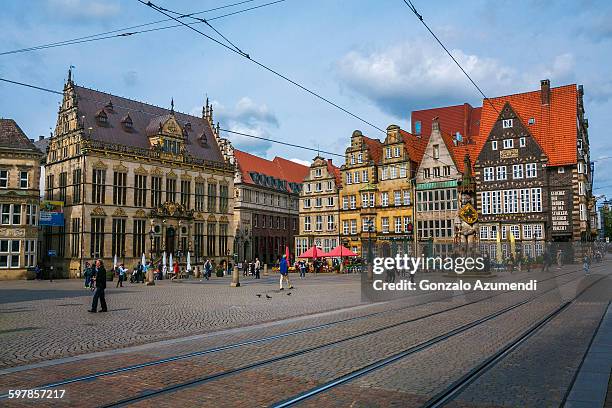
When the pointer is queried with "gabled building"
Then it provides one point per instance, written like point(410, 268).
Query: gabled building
point(319, 207)
point(402, 152)
point(554, 117)
point(358, 197)
point(136, 179)
point(437, 179)
point(19, 201)
point(266, 207)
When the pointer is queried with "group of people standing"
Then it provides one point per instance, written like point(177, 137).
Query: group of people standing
point(252, 268)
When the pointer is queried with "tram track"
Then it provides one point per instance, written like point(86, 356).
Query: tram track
point(267, 339)
point(146, 395)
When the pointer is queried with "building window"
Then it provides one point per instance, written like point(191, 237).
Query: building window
point(98, 181)
point(9, 253)
point(398, 224)
point(349, 178)
point(119, 188)
point(171, 190)
point(385, 225)
point(537, 231)
point(330, 186)
point(531, 170)
point(356, 177)
point(211, 232)
point(388, 153)
point(353, 201)
point(536, 199)
point(494, 145)
point(31, 212)
point(330, 201)
point(436, 151)
point(446, 171)
point(426, 173)
point(318, 202)
point(501, 172)
point(75, 238)
point(307, 203)
point(384, 199)
point(307, 224)
point(345, 203)
point(97, 238)
point(140, 190)
point(63, 182)
point(396, 151)
point(359, 158)
point(345, 227)
point(212, 197)
point(139, 234)
point(224, 198)
point(199, 197)
point(384, 173)
point(3, 178)
point(517, 171)
point(331, 223)
point(581, 188)
point(436, 171)
point(393, 171)
point(508, 143)
point(507, 123)
point(11, 214)
point(522, 142)
point(525, 199)
point(496, 202)
point(407, 221)
point(397, 198)
point(23, 179)
point(485, 200)
point(30, 253)
point(118, 237)
point(406, 195)
point(402, 172)
point(317, 172)
point(353, 227)
point(417, 127)
point(223, 228)
point(488, 174)
point(50, 186)
point(186, 193)
point(527, 231)
point(198, 241)
point(76, 186)
point(156, 191)
point(319, 223)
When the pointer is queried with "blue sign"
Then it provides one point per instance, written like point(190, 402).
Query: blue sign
point(52, 252)
point(51, 214)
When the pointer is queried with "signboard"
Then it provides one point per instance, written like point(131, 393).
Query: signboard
point(508, 154)
point(51, 214)
point(560, 211)
point(52, 252)
point(468, 214)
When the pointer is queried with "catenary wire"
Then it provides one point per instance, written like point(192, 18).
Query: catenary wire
point(420, 17)
point(124, 33)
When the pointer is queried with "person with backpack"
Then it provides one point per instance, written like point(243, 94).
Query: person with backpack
point(284, 272)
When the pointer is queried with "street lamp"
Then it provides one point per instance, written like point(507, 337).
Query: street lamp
point(370, 254)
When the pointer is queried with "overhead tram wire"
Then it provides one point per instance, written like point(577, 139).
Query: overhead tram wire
point(260, 64)
point(124, 33)
point(420, 17)
point(39, 88)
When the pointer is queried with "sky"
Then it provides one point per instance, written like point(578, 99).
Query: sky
point(372, 57)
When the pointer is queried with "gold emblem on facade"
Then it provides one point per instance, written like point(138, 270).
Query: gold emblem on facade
point(468, 214)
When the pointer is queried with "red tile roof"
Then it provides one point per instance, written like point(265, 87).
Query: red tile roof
point(331, 169)
point(415, 146)
point(555, 127)
point(278, 168)
point(375, 147)
point(464, 119)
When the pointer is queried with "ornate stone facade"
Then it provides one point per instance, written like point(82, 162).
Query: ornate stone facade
point(19, 202)
point(136, 179)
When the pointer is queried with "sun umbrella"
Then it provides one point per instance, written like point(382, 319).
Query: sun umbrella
point(115, 262)
point(499, 256)
point(313, 252)
point(170, 262)
point(512, 243)
point(164, 269)
point(143, 261)
point(340, 251)
point(188, 261)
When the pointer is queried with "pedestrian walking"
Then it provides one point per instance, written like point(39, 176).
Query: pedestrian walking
point(252, 269)
point(87, 273)
point(100, 281)
point(586, 264)
point(284, 272)
point(122, 274)
point(257, 268)
point(207, 269)
point(38, 271)
point(545, 261)
point(302, 266)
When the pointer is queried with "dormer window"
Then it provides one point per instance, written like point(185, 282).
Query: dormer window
point(109, 106)
point(127, 123)
point(101, 117)
point(187, 126)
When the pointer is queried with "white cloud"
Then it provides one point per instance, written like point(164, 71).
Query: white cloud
point(302, 162)
point(250, 118)
point(419, 75)
point(78, 10)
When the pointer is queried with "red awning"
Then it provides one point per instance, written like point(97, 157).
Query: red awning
point(340, 251)
point(312, 252)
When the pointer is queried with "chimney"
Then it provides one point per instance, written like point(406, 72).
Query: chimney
point(40, 138)
point(330, 162)
point(545, 91)
point(435, 124)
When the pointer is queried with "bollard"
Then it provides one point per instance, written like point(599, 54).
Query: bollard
point(265, 269)
point(235, 278)
point(370, 272)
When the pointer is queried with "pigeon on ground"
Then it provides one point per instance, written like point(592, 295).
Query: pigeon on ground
point(268, 297)
point(258, 295)
point(288, 293)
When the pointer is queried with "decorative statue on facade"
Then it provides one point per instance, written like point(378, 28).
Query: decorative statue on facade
point(467, 214)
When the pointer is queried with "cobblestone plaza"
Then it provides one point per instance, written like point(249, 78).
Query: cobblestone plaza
point(196, 343)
